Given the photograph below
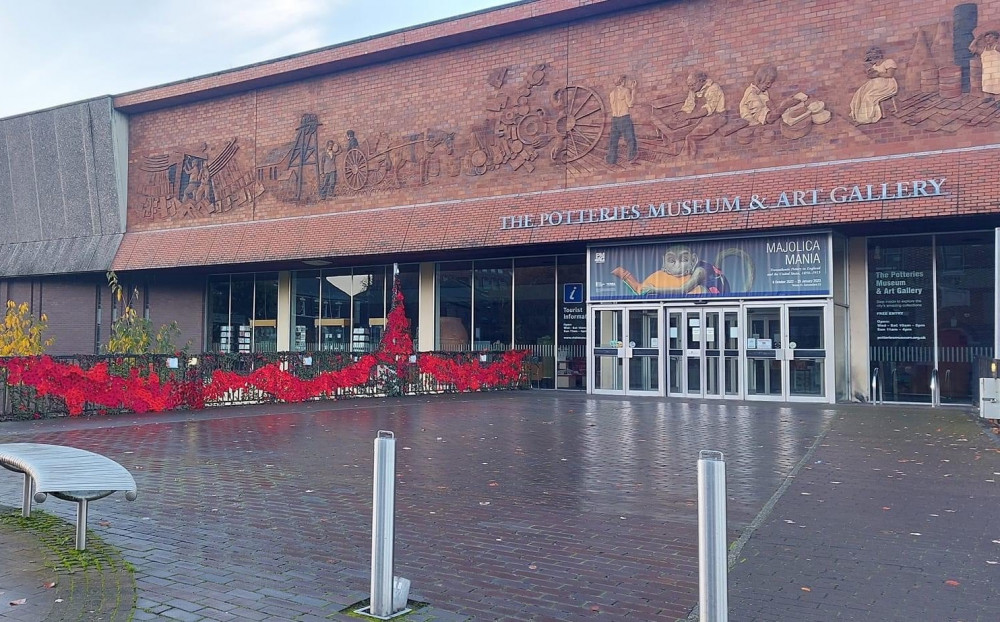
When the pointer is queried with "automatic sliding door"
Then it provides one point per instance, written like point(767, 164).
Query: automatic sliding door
point(694, 352)
point(675, 352)
point(765, 372)
point(713, 353)
point(731, 353)
point(626, 351)
point(786, 352)
point(703, 352)
point(607, 372)
point(807, 346)
point(643, 351)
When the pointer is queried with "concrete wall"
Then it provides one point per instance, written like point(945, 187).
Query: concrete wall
point(61, 196)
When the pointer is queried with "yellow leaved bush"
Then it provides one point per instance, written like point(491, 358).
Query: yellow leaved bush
point(22, 334)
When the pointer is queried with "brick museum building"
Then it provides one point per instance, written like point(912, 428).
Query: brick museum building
point(724, 199)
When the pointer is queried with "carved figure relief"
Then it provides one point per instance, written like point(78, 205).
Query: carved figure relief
point(184, 184)
point(328, 169)
point(621, 99)
point(985, 46)
point(866, 105)
point(794, 116)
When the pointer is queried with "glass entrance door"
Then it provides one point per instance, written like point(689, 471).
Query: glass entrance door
point(703, 352)
point(626, 350)
point(765, 377)
point(786, 352)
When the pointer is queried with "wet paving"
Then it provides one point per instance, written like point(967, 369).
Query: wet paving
point(533, 505)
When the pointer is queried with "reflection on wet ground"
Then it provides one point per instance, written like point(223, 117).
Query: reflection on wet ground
point(532, 505)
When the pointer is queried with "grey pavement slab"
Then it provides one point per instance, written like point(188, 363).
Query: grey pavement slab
point(544, 505)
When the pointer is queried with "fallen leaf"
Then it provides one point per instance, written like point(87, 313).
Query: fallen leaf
point(951, 582)
point(50, 584)
point(594, 607)
point(104, 523)
point(19, 601)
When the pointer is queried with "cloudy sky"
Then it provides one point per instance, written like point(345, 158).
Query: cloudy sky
point(60, 51)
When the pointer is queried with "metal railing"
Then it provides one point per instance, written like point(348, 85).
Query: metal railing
point(195, 372)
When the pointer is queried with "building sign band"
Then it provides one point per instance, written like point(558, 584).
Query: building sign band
point(788, 265)
point(683, 207)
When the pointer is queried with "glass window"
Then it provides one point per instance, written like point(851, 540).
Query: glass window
point(369, 308)
point(335, 329)
point(535, 316)
point(965, 318)
point(493, 309)
point(305, 309)
point(454, 296)
point(901, 313)
point(265, 312)
point(218, 314)
point(241, 312)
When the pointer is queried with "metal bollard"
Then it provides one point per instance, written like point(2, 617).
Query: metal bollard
point(383, 508)
point(713, 597)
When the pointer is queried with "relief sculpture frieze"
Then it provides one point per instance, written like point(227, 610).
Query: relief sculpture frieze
point(605, 121)
point(190, 183)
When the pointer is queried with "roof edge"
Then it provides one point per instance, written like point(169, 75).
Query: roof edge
point(421, 39)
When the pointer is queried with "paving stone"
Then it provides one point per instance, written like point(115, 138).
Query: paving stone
point(532, 505)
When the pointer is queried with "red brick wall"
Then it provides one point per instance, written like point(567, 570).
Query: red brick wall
point(818, 48)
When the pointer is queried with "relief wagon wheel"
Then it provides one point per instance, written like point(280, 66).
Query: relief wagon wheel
point(580, 123)
point(355, 169)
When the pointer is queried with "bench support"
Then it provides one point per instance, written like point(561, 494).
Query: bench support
point(29, 491)
point(81, 524)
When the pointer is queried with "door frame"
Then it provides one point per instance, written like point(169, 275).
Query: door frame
point(624, 349)
point(785, 352)
point(686, 352)
point(785, 355)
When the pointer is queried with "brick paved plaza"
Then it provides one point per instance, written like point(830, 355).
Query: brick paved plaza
point(532, 506)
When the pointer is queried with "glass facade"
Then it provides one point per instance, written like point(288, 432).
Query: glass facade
point(931, 314)
point(454, 306)
point(531, 303)
point(965, 292)
point(242, 314)
point(534, 313)
point(344, 309)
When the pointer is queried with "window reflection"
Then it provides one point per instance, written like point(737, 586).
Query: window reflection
point(242, 312)
point(340, 309)
point(454, 285)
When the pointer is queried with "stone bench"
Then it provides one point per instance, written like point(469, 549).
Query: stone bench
point(66, 473)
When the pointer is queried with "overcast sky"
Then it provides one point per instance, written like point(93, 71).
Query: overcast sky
point(60, 51)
